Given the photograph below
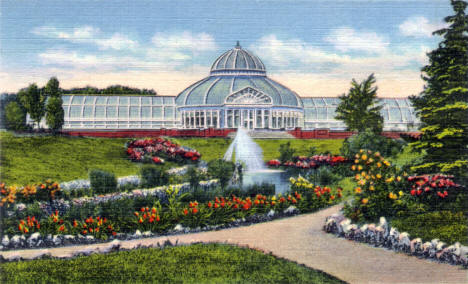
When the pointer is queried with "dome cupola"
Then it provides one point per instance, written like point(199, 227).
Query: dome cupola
point(238, 61)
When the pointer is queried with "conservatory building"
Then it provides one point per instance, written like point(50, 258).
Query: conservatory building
point(237, 93)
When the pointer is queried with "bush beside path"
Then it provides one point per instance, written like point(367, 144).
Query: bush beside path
point(302, 240)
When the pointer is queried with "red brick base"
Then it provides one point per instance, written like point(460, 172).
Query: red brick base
point(298, 133)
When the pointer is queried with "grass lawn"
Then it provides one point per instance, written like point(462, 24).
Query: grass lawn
point(270, 146)
point(212, 263)
point(33, 159)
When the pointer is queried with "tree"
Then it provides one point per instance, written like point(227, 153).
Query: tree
point(54, 113)
point(443, 105)
point(33, 101)
point(54, 110)
point(52, 88)
point(358, 109)
point(15, 116)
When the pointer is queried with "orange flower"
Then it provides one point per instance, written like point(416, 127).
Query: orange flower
point(194, 210)
point(357, 190)
point(61, 228)
point(364, 200)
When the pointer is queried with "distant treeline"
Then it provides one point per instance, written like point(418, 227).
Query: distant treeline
point(114, 90)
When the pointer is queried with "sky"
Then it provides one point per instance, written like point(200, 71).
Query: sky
point(314, 47)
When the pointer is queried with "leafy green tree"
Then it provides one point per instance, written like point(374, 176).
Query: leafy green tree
point(54, 110)
point(443, 105)
point(52, 88)
point(33, 101)
point(358, 109)
point(54, 113)
point(15, 116)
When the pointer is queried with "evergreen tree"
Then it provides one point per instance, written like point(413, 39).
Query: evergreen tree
point(442, 107)
point(358, 109)
point(33, 100)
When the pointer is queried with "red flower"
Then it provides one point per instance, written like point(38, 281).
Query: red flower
point(194, 210)
point(114, 233)
point(413, 192)
point(185, 211)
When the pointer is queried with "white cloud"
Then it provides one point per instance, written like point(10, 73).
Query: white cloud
point(87, 34)
point(313, 71)
point(347, 39)
point(418, 26)
point(184, 41)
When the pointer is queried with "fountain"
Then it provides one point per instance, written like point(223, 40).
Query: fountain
point(246, 151)
point(250, 155)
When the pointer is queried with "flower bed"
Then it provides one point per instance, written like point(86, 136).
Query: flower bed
point(166, 215)
point(314, 162)
point(156, 150)
point(382, 235)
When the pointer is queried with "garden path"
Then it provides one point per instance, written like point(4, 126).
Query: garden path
point(301, 239)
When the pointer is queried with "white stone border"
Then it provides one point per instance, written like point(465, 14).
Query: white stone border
point(382, 235)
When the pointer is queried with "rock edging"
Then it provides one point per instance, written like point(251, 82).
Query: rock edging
point(36, 240)
point(382, 235)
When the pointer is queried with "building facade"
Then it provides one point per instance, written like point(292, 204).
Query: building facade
point(237, 93)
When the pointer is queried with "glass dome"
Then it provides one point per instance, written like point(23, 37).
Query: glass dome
point(238, 61)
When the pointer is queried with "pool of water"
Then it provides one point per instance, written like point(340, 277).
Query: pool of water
point(279, 178)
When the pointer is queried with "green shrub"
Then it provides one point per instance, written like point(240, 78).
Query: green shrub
point(286, 152)
point(194, 177)
point(102, 181)
point(447, 226)
point(368, 140)
point(152, 176)
point(221, 170)
point(15, 116)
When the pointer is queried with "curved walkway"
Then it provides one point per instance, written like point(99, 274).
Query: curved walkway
point(302, 240)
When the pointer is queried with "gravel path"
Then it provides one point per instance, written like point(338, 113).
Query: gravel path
point(301, 239)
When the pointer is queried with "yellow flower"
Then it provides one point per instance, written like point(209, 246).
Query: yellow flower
point(356, 161)
point(361, 151)
point(273, 198)
point(359, 167)
point(364, 157)
point(357, 177)
point(398, 178)
point(357, 190)
point(367, 177)
point(353, 167)
point(378, 176)
point(405, 174)
point(379, 164)
point(386, 163)
point(364, 200)
point(371, 160)
point(357, 156)
point(363, 174)
point(400, 193)
point(392, 195)
point(371, 188)
point(362, 182)
point(390, 179)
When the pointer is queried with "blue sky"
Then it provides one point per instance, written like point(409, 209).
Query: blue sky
point(314, 47)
